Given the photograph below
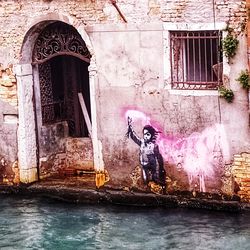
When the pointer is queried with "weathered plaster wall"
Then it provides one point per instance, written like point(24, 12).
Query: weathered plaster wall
point(52, 150)
point(248, 32)
point(62, 155)
point(240, 168)
point(175, 116)
point(130, 78)
point(18, 16)
point(186, 118)
point(8, 123)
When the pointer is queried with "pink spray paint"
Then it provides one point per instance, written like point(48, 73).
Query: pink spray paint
point(198, 155)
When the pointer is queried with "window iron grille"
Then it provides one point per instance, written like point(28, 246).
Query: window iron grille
point(196, 59)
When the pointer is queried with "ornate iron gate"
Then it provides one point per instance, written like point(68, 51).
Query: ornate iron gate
point(59, 39)
point(57, 52)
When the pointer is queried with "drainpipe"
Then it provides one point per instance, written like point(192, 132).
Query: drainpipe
point(118, 9)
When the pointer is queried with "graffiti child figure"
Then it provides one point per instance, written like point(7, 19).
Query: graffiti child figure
point(150, 158)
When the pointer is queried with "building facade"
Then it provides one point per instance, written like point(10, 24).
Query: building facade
point(80, 80)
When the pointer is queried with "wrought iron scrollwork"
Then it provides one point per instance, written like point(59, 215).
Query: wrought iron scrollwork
point(48, 114)
point(59, 39)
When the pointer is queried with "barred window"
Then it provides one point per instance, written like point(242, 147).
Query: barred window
point(196, 59)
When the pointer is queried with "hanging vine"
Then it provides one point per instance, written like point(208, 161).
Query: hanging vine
point(230, 45)
point(226, 93)
point(244, 79)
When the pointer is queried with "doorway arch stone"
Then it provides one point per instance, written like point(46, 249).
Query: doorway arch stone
point(28, 149)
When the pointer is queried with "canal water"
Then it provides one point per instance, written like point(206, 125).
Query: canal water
point(36, 223)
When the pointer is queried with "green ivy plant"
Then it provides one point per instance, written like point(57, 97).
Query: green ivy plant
point(229, 45)
point(227, 94)
point(244, 79)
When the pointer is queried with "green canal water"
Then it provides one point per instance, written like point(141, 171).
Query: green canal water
point(35, 223)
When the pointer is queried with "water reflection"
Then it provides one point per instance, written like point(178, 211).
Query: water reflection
point(45, 224)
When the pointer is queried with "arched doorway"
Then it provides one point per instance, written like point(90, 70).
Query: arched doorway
point(35, 139)
point(62, 101)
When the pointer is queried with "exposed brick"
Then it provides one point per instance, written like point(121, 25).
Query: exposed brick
point(241, 173)
point(8, 90)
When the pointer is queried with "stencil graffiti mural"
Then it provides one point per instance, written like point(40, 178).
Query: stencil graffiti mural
point(200, 154)
point(150, 158)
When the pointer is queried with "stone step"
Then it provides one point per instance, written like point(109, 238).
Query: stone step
point(75, 172)
point(84, 172)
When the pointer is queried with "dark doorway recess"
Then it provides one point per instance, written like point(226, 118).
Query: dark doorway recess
point(61, 79)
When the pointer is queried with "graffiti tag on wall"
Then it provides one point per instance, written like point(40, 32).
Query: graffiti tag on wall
point(199, 154)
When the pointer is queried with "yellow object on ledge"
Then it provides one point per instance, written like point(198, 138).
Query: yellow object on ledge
point(101, 177)
point(155, 188)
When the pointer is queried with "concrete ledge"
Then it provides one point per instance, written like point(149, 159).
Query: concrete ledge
point(23, 69)
point(126, 198)
point(124, 27)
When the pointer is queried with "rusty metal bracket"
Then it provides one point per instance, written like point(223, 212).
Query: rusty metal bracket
point(118, 9)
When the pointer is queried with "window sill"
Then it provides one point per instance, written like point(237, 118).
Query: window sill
point(193, 92)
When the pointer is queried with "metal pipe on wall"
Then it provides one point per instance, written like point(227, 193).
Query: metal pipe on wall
point(118, 9)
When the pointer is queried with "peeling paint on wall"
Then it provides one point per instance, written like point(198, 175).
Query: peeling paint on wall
point(8, 88)
point(9, 172)
point(200, 154)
